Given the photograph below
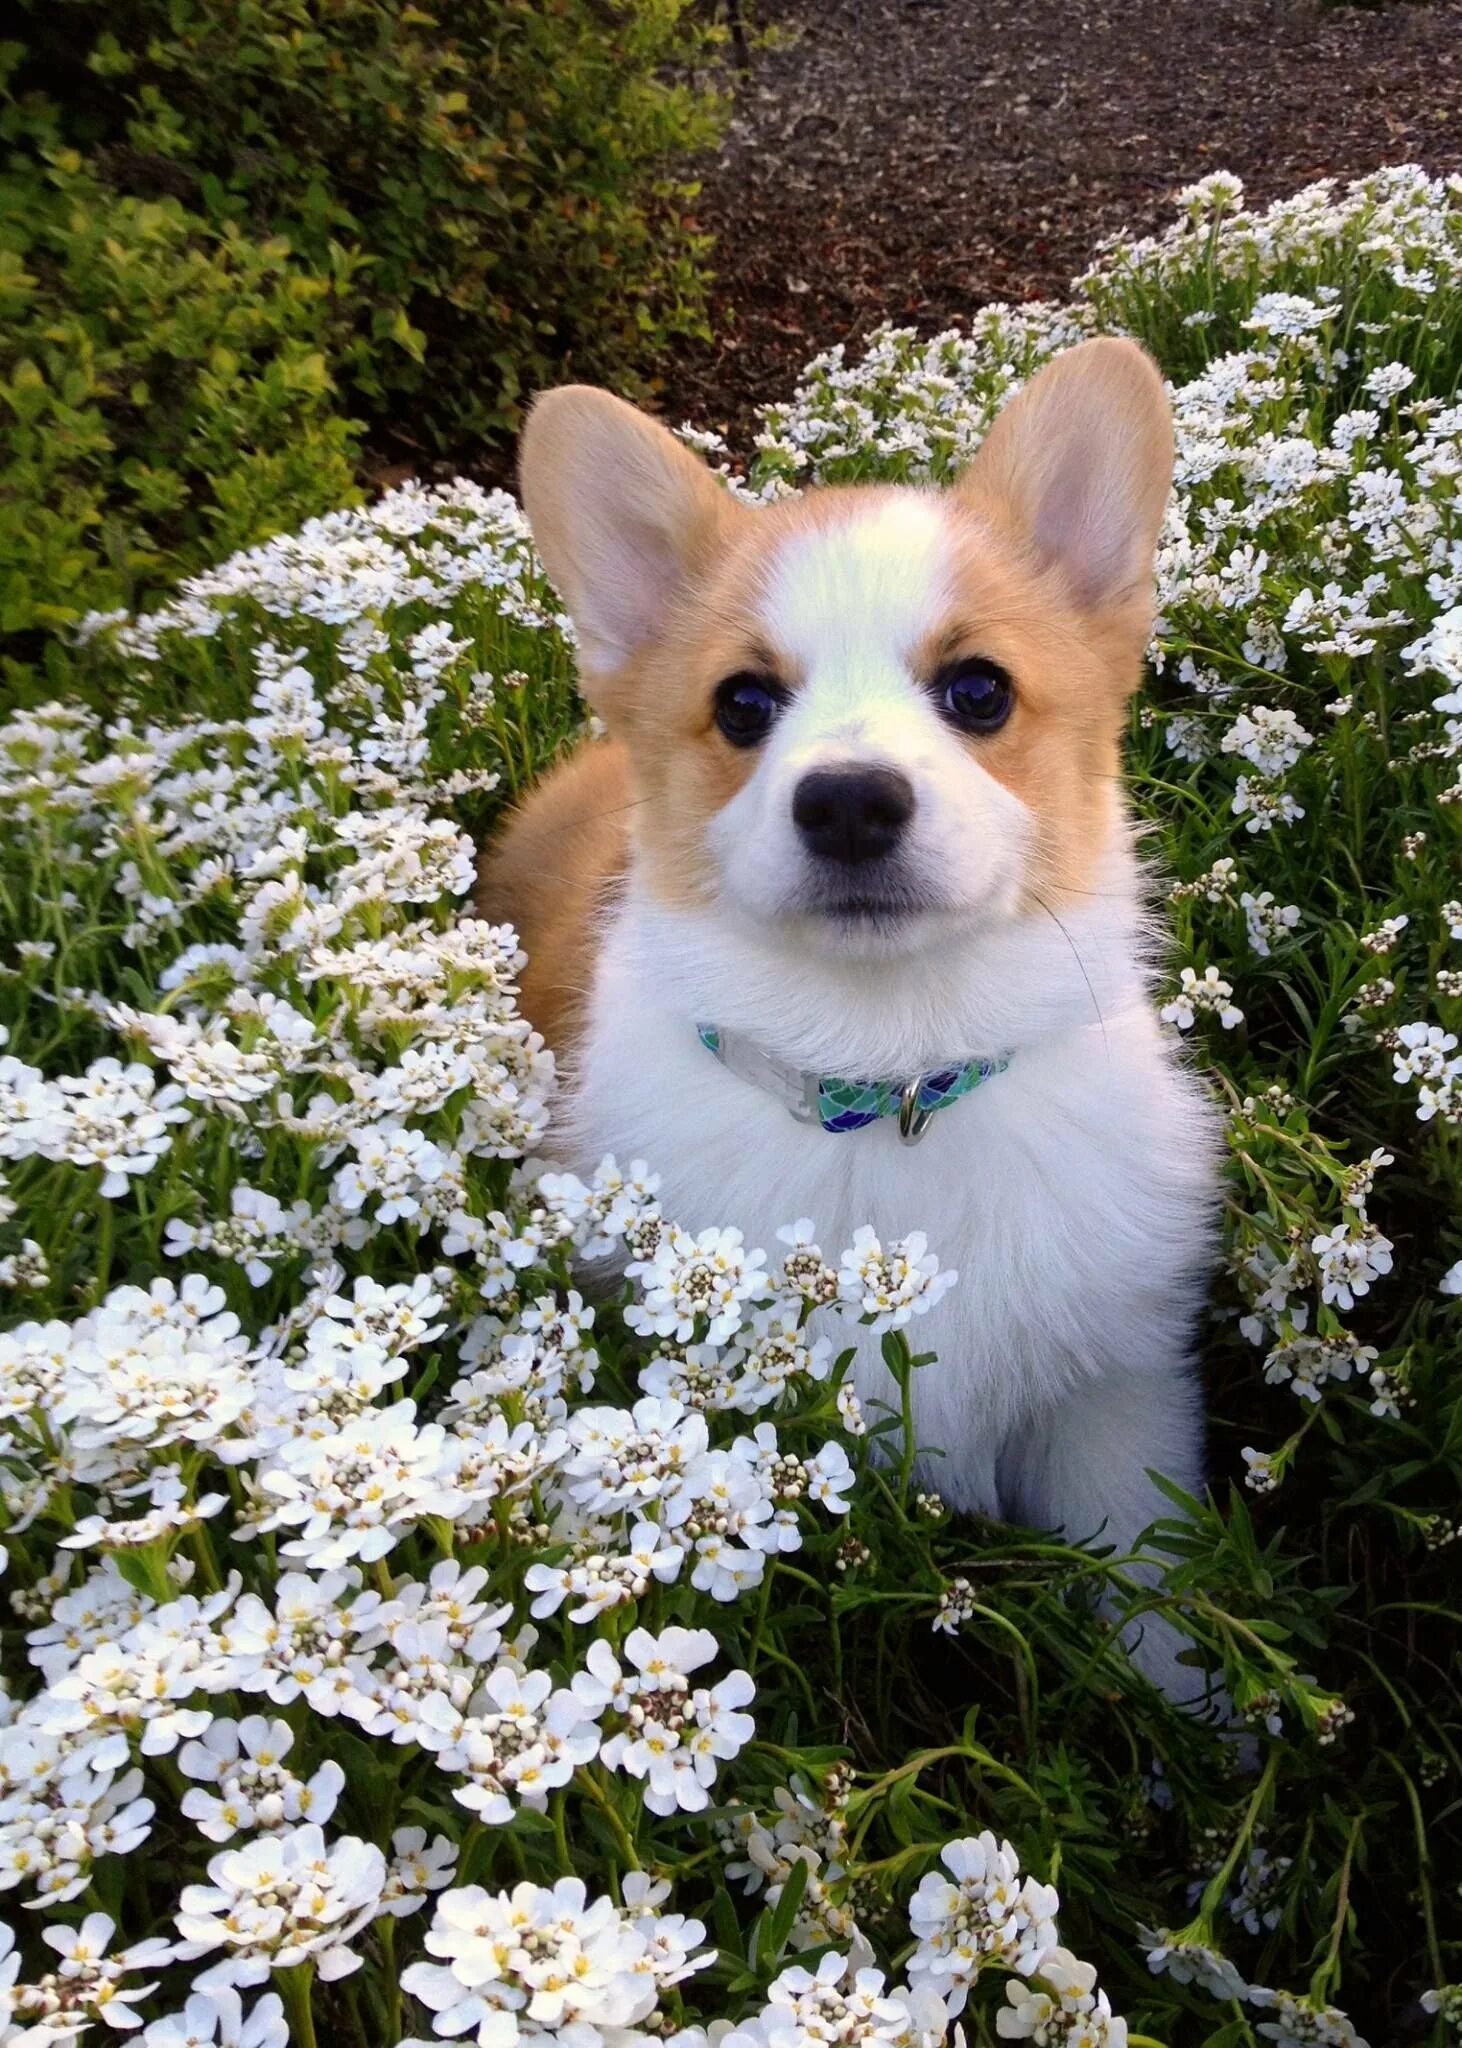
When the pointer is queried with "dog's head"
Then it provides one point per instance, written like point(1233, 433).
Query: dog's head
point(867, 716)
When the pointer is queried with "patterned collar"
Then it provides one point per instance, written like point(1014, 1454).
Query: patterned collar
point(837, 1105)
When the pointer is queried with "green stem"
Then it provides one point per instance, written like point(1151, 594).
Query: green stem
point(1423, 1864)
point(763, 1605)
point(294, 1988)
point(387, 1936)
point(900, 1362)
point(560, 1833)
point(1218, 1883)
point(1328, 1974)
point(588, 1781)
point(106, 1226)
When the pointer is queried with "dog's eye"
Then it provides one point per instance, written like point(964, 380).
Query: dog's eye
point(975, 694)
point(746, 705)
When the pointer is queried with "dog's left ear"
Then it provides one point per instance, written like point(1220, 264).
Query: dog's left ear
point(1078, 467)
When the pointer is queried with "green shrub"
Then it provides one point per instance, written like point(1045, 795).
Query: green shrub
point(165, 391)
point(502, 165)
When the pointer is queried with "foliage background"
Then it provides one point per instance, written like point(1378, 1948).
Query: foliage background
point(232, 237)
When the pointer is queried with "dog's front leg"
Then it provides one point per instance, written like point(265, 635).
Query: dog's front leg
point(1083, 1468)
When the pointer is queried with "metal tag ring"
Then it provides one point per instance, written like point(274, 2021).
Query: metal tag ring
point(913, 1119)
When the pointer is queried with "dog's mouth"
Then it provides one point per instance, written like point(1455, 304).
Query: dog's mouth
point(858, 899)
point(864, 910)
point(860, 912)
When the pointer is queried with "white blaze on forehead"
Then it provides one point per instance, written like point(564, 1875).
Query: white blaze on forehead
point(854, 598)
point(847, 606)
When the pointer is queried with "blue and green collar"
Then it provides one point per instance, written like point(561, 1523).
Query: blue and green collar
point(839, 1105)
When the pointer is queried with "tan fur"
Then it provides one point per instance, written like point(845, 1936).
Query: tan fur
point(1060, 752)
point(601, 481)
point(549, 871)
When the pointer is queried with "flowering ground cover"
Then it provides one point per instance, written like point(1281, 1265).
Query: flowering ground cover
point(407, 1639)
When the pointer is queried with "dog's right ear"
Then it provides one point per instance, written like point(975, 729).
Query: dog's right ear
point(622, 514)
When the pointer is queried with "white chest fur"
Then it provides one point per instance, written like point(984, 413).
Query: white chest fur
point(1072, 1192)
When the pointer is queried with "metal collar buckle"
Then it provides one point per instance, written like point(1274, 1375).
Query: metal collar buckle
point(913, 1120)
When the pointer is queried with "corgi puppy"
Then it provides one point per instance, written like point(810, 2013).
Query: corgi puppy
point(843, 918)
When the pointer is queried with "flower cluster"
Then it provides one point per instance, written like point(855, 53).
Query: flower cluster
point(979, 1907)
point(528, 1964)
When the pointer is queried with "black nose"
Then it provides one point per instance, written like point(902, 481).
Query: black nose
point(852, 814)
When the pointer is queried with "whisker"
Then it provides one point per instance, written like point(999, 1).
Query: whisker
point(1093, 895)
point(1081, 964)
point(591, 817)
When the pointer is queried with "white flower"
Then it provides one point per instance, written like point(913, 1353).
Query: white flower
point(417, 1868)
point(850, 1409)
point(1214, 885)
point(1187, 737)
point(111, 1116)
point(280, 1900)
point(60, 1809)
point(1262, 1476)
point(1422, 1052)
point(1285, 314)
point(1389, 380)
point(830, 1478)
point(675, 1736)
point(394, 1162)
point(295, 1647)
point(218, 2020)
point(1064, 2007)
point(354, 1492)
point(1208, 995)
point(838, 2002)
point(244, 1761)
point(1301, 2023)
point(1189, 1960)
point(982, 1912)
point(1349, 1260)
point(1267, 736)
point(168, 1510)
point(104, 1606)
point(433, 650)
point(150, 1369)
point(535, 1963)
point(85, 1985)
point(1266, 920)
point(690, 1281)
point(1264, 808)
point(601, 1213)
point(625, 1458)
point(1258, 1900)
point(1309, 1361)
point(135, 1687)
point(1385, 935)
point(395, 1319)
point(888, 1287)
point(258, 1231)
point(601, 1579)
point(449, 1595)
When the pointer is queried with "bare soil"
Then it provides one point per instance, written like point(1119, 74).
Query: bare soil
point(914, 159)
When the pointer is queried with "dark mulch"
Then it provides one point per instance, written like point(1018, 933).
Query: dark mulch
point(913, 159)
